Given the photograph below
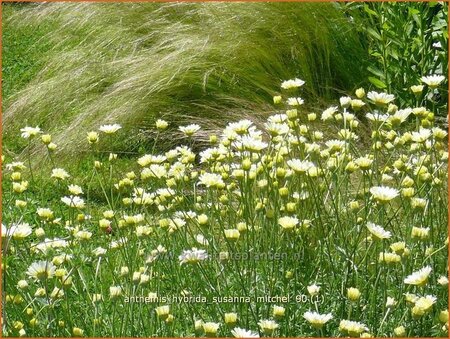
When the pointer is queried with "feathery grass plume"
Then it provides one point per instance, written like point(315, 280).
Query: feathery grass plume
point(189, 63)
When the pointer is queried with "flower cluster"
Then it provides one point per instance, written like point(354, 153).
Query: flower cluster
point(347, 205)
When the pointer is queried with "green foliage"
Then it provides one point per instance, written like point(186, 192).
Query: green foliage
point(134, 63)
point(406, 40)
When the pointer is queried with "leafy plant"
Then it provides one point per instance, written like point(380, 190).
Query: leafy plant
point(406, 40)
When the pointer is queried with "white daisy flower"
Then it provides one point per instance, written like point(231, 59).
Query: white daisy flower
point(192, 256)
point(400, 116)
point(352, 328)
point(99, 251)
point(41, 270)
point(433, 80)
point(73, 201)
point(288, 223)
point(277, 118)
point(421, 136)
point(377, 231)
point(28, 132)
point(380, 98)
point(75, 189)
point(189, 130)
point(249, 143)
point(211, 180)
point(419, 277)
point(329, 113)
point(300, 166)
point(295, 101)
point(383, 193)
point(110, 129)
point(377, 117)
point(313, 289)
point(59, 173)
point(238, 332)
point(345, 101)
point(317, 320)
point(201, 240)
point(293, 83)
point(18, 231)
point(151, 159)
point(15, 166)
point(268, 326)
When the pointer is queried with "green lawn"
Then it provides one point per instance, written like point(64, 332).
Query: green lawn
point(23, 51)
